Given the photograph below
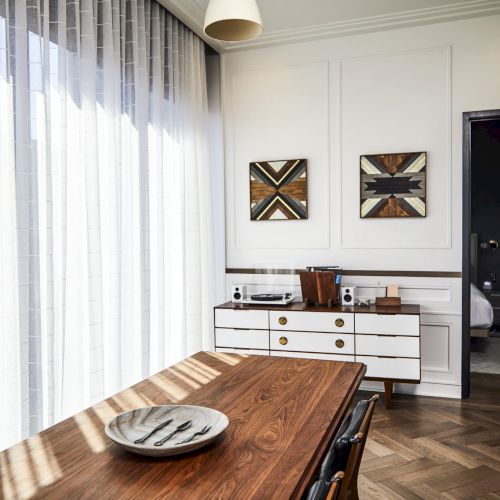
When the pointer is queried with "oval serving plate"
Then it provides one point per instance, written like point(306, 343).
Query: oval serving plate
point(126, 427)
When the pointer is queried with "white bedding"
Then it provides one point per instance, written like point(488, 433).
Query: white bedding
point(481, 311)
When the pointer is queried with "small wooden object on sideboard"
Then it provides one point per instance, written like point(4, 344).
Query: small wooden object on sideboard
point(385, 338)
point(388, 301)
point(392, 298)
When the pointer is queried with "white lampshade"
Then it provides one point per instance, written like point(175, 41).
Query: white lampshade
point(233, 20)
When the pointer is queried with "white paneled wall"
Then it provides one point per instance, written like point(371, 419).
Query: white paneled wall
point(394, 102)
point(293, 127)
point(331, 101)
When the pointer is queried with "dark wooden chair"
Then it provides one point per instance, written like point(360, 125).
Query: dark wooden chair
point(334, 491)
point(349, 487)
point(326, 490)
point(345, 454)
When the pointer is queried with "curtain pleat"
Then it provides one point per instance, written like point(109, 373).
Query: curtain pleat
point(105, 255)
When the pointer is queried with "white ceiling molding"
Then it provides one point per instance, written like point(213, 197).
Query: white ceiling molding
point(192, 14)
point(453, 12)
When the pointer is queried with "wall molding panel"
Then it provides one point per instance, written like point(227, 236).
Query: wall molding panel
point(350, 228)
point(441, 348)
point(273, 89)
point(445, 329)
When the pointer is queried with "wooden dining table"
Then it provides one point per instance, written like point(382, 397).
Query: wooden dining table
point(283, 413)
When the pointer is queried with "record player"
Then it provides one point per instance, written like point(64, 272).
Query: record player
point(270, 299)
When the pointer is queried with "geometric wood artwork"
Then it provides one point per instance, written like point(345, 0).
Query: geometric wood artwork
point(278, 190)
point(393, 185)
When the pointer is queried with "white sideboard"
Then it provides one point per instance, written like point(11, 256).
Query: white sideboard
point(385, 339)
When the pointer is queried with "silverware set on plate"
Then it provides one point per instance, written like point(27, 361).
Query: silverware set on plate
point(180, 428)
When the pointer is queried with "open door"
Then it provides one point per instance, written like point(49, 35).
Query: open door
point(469, 259)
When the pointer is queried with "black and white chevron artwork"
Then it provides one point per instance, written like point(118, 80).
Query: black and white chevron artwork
point(278, 190)
point(393, 185)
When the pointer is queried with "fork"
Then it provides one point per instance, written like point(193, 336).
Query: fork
point(199, 433)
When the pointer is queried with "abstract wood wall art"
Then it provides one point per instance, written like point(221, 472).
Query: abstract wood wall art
point(393, 185)
point(278, 190)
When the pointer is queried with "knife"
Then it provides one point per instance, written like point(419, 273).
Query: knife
point(157, 428)
point(182, 427)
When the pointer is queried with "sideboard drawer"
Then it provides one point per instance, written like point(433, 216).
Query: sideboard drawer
point(314, 355)
point(312, 342)
point(397, 368)
point(311, 321)
point(378, 345)
point(246, 339)
point(242, 318)
point(389, 324)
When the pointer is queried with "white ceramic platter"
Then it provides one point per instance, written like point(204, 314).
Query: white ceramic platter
point(127, 427)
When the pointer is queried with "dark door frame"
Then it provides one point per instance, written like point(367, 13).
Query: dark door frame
point(468, 119)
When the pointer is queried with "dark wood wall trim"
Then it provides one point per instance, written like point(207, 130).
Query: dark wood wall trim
point(352, 272)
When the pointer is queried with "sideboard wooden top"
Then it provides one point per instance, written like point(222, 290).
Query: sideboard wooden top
point(301, 307)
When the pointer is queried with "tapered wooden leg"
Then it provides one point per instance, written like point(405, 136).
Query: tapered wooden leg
point(388, 386)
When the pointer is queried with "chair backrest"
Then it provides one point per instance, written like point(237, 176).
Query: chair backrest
point(333, 492)
point(340, 449)
point(318, 490)
point(349, 488)
point(344, 454)
point(326, 490)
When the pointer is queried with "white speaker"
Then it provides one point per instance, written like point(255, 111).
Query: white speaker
point(238, 293)
point(348, 295)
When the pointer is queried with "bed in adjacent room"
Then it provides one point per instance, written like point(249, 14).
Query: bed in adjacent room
point(481, 313)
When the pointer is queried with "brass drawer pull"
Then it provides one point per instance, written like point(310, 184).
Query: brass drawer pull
point(339, 322)
point(283, 321)
point(339, 343)
point(283, 341)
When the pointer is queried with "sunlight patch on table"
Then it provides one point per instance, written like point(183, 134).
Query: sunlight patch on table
point(192, 372)
point(92, 435)
point(230, 359)
point(19, 467)
point(176, 373)
point(8, 489)
point(105, 411)
point(129, 399)
point(174, 392)
point(46, 467)
point(202, 368)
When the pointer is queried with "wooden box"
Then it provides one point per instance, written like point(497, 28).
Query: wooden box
point(388, 301)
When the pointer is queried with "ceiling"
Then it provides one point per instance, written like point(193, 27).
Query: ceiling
point(292, 20)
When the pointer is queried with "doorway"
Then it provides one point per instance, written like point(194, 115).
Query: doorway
point(481, 250)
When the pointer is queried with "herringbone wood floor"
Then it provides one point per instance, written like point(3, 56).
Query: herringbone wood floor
point(435, 448)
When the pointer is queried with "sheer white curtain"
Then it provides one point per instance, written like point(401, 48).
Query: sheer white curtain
point(105, 249)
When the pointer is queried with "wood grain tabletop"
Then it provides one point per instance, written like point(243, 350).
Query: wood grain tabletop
point(282, 414)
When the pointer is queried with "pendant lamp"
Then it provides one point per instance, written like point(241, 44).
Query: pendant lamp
point(233, 20)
